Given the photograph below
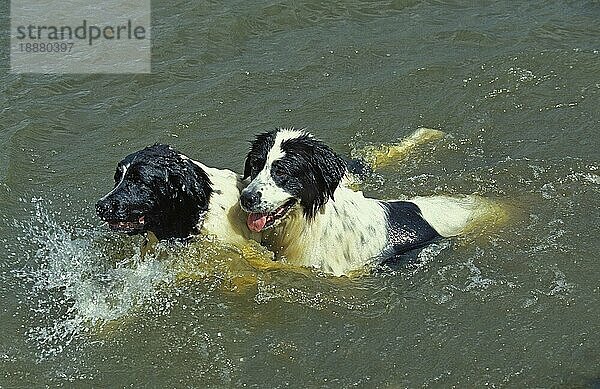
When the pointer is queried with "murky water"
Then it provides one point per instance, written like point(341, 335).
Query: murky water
point(515, 85)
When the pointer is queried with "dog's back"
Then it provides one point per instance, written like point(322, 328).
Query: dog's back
point(452, 216)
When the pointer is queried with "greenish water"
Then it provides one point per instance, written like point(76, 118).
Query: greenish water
point(516, 86)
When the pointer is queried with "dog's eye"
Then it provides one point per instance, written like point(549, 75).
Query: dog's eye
point(279, 172)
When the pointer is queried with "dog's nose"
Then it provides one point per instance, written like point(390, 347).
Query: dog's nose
point(105, 207)
point(250, 199)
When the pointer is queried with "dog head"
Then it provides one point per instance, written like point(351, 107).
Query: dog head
point(288, 169)
point(157, 189)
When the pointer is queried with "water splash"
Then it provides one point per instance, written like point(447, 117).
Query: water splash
point(73, 284)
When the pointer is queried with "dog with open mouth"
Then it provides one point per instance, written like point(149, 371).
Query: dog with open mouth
point(299, 201)
point(162, 191)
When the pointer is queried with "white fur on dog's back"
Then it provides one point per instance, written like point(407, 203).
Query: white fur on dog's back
point(452, 216)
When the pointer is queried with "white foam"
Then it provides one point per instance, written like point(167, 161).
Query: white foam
point(73, 285)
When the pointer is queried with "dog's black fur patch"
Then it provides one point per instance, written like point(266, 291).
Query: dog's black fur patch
point(171, 193)
point(257, 156)
point(407, 230)
point(310, 171)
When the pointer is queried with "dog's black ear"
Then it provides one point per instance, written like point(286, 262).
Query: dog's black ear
point(185, 199)
point(194, 184)
point(257, 156)
point(322, 173)
point(329, 166)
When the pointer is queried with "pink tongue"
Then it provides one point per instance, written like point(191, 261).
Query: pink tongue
point(256, 221)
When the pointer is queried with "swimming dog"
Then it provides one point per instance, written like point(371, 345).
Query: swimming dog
point(162, 191)
point(298, 200)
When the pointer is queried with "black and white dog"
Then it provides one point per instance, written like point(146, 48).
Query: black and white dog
point(162, 191)
point(299, 201)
